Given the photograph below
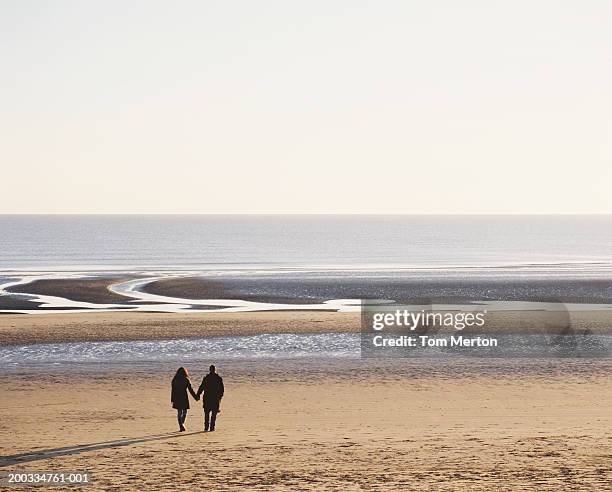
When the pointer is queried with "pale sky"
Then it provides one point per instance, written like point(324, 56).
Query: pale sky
point(306, 106)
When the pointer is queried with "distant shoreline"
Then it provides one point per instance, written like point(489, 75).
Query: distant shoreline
point(286, 290)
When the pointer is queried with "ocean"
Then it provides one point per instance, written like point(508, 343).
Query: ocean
point(552, 244)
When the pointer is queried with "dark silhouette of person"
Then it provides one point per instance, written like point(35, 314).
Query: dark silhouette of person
point(179, 398)
point(212, 387)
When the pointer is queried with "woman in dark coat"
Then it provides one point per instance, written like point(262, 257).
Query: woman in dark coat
point(179, 398)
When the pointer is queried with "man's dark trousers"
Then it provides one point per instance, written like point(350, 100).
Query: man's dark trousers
point(210, 417)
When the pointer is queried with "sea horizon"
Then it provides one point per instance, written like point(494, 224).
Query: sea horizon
point(115, 242)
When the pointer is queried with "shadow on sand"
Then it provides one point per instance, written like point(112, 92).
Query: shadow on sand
point(44, 454)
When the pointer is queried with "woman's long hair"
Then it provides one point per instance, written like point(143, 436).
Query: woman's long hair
point(181, 373)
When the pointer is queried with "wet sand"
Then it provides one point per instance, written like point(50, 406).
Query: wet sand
point(312, 425)
point(44, 328)
point(108, 326)
point(315, 289)
point(93, 290)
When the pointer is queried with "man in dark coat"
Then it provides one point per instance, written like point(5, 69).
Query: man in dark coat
point(212, 387)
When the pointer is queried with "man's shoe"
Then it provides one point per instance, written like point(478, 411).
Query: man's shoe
point(182, 428)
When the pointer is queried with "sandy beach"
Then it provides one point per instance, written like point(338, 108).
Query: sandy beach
point(416, 425)
point(348, 424)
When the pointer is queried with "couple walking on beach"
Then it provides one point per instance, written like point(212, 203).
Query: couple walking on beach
point(211, 386)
